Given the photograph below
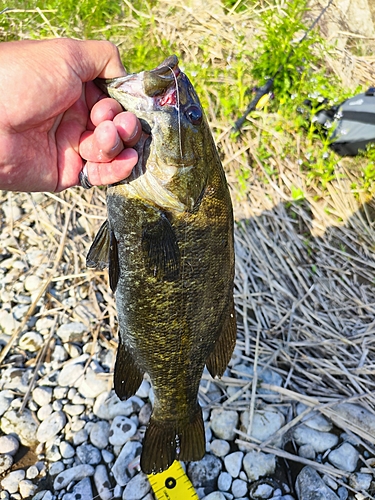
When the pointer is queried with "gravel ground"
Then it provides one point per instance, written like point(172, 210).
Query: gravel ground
point(64, 433)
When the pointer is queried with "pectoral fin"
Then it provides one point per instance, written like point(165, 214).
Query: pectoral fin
point(220, 356)
point(160, 248)
point(103, 253)
point(128, 377)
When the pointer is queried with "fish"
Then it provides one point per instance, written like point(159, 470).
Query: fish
point(168, 245)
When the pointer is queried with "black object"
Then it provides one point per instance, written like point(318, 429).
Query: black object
point(352, 122)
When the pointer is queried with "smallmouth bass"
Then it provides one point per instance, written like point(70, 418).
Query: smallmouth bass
point(168, 244)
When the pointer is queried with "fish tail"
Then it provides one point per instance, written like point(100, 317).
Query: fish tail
point(159, 446)
point(162, 440)
point(192, 441)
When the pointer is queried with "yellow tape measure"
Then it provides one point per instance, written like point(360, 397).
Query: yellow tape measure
point(172, 484)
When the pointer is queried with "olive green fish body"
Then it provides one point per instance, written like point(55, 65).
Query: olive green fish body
point(169, 243)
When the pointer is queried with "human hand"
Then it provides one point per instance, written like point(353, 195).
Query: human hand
point(51, 120)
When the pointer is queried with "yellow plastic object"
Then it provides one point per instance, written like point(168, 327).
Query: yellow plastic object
point(172, 484)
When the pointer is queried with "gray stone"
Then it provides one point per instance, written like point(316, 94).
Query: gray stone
point(56, 468)
point(360, 481)
point(314, 420)
point(258, 464)
point(88, 454)
point(80, 437)
point(31, 341)
point(137, 487)
point(24, 426)
point(108, 406)
point(320, 441)
point(44, 412)
point(145, 414)
point(215, 495)
point(75, 473)
point(99, 434)
point(224, 423)
point(27, 488)
point(307, 451)
point(233, 463)
point(108, 457)
point(6, 397)
point(51, 426)
point(121, 470)
point(66, 450)
point(11, 480)
point(81, 490)
point(219, 447)
point(310, 486)
point(74, 409)
point(265, 423)
point(224, 481)
point(122, 429)
point(42, 395)
point(345, 457)
point(6, 462)
point(356, 415)
point(71, 375)
point(72, 332)
point(263, 490)
point(93, 384)
point(205, 472)
point(9, 445)
point(102, 483)
point(343, 493)
point(239, 488)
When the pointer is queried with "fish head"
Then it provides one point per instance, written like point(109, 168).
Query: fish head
point(176, 142)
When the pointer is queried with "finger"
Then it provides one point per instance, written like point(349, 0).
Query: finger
point(105, 109)
point(118, 169)
point(129, 128)
point(101, 145)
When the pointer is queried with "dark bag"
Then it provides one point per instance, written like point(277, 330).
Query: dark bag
point(353, 123)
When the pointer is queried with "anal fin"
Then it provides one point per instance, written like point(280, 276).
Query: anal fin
point(128, 376)
point(219, 358)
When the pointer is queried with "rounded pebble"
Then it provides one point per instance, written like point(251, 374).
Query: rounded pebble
point(32, 283)
point(71, 375)
point(32, 472)
point(31, 341)
point(224, 481)
point(263, 490)
point(224, 423)
point(233, 463)
point(215, 495)
point(258, 464)
point(345, 457)
point(9, 445)
point(120, 469)
point(42, 395)
point(137, 487)
point(122, 429)
point(320, 441)
point(71, 332)
point(66, 450)
point(99, 434)
point(51, 426)
point(219, 447)
point(11, 481)
point(24, 426)
point(88, 454)
point(102, 483)
point(75, 473)
point(6, 462)
point(27, 488)
point(205, 472)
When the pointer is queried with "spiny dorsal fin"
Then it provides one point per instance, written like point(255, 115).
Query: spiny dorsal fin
point(128, 376)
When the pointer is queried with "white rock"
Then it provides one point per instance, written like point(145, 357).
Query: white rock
point(71, 332)
point(24, 426)
point(108, 457)
point(11, 480)
point(320, 441)
point(309, 485)
point(102, 483)
point(224, 423)
point(27, 488)
point(108, 406)
point(6, 462)
point(137, 487)
point(144, 389)
point(51, 426)
point(219, 447)
point(32, 472)
point(56, 468)
point(314, 420)
point(31, 341)
point(9, 445)
point(357, 415)
point(360, 481)
point(32, 283)
point(71, 375)
point(66, 450)
point(307, 451)
point(74, 409)
point(233, 463)
point(88, 454)
point(93, 384)
point(258, 464)
point(122, 429)
point(264, 490)
point(42, 395)
point(44, 412)
point(215, 495)
point(44, 325)
point(81, 490)
point(239, 488)
point(6, 397)
point(75, 473)
point(345, 457)
point(8, 322)
point(99, 434)
point(265, 423)
point(120, 470)
point(224, 481)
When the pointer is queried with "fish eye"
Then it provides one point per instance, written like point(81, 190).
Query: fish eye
point(194, 114)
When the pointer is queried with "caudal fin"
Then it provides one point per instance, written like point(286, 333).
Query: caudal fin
point(161, 441)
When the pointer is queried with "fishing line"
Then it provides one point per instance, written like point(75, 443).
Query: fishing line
point(178, 112)
point(266, 88)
